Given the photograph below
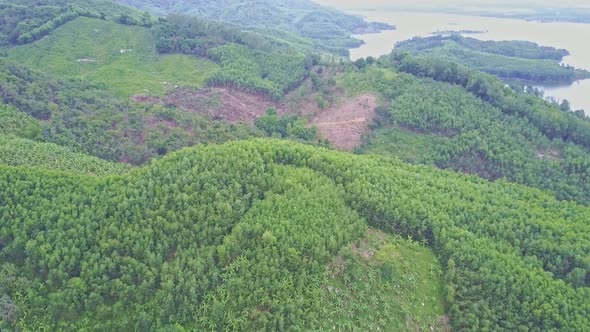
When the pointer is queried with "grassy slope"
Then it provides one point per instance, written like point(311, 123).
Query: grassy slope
point(411, 146)
point(367, 82)
point(379, 272)
point(138, 71)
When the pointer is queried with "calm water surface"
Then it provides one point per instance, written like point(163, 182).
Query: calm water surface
point(571, 36)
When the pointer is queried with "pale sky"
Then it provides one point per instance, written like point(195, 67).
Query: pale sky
point(356, 4)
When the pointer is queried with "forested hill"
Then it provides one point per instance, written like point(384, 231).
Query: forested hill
point(111, 221)
point(517, 49)
point(448, 115)
point(25, 21)
point(516, 60)
point(234, 237)
point(330, 28)
point(468, 121)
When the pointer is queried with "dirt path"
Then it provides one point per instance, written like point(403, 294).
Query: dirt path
point(343, 125)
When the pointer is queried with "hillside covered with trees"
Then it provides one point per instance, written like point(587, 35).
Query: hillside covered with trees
point(512, 60)
point(175, 174)
point(78, 103)
point(26, 21)
point(330, 29)
point(248, 61)
point(441, 113)
point(234, 237)
point(508, 133)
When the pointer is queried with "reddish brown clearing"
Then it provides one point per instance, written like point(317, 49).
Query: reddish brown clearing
point(215, 103)
point(343, 125)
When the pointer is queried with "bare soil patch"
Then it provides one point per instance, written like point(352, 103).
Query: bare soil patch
point(216, 103)
point(343, 125)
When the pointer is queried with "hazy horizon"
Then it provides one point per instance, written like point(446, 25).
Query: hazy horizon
point(437, 5)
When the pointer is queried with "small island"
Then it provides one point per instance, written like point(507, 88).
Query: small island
point(458, 32)
point(373, 27)
point(510, 60)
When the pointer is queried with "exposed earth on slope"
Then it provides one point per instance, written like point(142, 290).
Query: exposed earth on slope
point(215, 103)
point(344, 124)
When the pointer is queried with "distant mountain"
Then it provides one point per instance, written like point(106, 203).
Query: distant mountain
point(306, 18)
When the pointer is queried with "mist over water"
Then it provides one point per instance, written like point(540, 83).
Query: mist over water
point(571, 36)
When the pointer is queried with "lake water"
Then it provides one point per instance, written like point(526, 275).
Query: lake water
point(571, 36)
